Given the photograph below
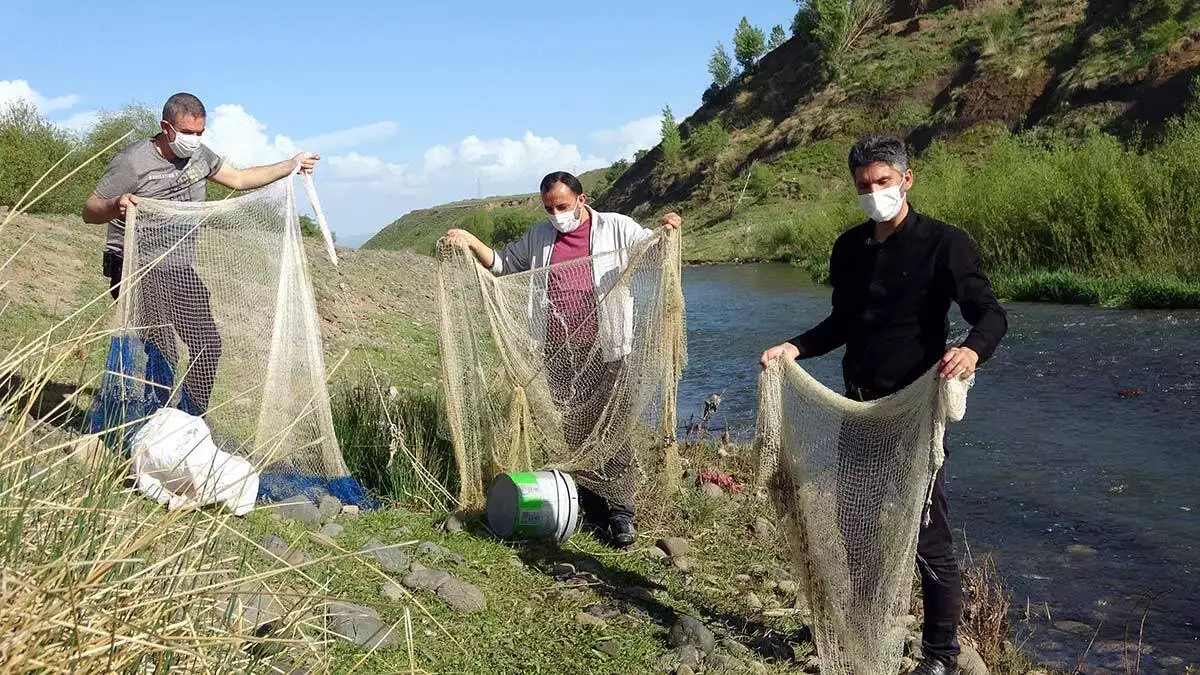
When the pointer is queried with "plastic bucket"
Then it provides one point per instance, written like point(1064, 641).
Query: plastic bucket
point(535, 505)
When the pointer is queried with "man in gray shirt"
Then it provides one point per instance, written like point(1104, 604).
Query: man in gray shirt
point(174, 165)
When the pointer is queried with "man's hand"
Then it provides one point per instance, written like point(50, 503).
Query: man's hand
point(959, 362)
point(458, 237)
point(307, 160)
point(672, 221)
point(786, 349)
point(124, 202)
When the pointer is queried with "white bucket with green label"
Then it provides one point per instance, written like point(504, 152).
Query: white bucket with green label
point(533, 505)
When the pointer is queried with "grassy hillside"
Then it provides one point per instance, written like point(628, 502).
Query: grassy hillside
point(420, 229)
point(1053, 131)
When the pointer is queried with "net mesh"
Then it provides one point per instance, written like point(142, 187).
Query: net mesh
point(564, 367)
point(850, 481)
point(216, 316)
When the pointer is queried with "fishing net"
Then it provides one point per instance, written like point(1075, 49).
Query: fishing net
point(216, 317)
point(850, 481)
point(573, 366)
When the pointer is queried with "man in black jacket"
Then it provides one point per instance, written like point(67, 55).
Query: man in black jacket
point(893, 279)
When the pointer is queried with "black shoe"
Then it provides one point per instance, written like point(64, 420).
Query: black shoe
point(622, 532)
point(935, 666)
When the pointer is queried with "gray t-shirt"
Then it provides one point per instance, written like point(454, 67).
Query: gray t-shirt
point(140, 170)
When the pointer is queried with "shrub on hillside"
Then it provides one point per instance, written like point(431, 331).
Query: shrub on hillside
point(837, 25)
point(29, 146)
point(510, 225)
point(707, 141)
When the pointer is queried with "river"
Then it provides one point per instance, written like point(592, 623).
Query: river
point(1089, 500)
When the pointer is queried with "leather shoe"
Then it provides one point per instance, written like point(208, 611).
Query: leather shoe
point(622, 532)
point(935, 666)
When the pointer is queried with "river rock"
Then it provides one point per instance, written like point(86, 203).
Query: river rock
point(461, 596)
point(724, 663)
point(675, 547)
point(689, 657)
point(970, 662)
point(712, 491)
point(609, 647)
point(601, 612)
point(743, 578)
point(684, 669)
point(1074, 628)
point(275, 545)
point(655, 553)
point(562, 571)
point(360, 625)
point(435, 553)
point(683, 563)
point(455, 522)
point(350, 511)
point(392, 591)
point(390, 558)
point(788, 587)
point(757, 668)
point(763, 528)
point(590, 620)
point(752, 601)
point(332, 530)
point(691, 631)
point(329, 508)
point(425, 580)
point(298, 509)
point(734, 647)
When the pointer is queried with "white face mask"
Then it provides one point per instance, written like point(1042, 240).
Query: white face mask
point(882, 205)
point(567, 221)
point(184, 145)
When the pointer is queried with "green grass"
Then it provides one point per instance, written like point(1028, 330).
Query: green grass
point(1064, 287)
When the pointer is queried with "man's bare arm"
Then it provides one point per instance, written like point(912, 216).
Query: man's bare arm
point(258, 176)
point(98, 210)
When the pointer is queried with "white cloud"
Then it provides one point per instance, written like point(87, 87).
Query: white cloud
point(438, 157)
point(349, 138)
point(506, 159)
point(81, 121)
point(237, 136)
point(624, 141)
point(17, 90)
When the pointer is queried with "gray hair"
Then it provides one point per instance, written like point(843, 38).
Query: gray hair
point(878, 148)
point(182, 104)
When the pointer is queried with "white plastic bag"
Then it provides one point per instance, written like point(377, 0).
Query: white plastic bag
point(176, 463)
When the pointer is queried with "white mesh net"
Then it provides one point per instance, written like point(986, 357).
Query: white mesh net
point(560, 367)
point(850, 481)
point(217, 317)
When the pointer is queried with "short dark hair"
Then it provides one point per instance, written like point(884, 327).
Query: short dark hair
point(879, 148)
point(181, 104)
point(563, 177)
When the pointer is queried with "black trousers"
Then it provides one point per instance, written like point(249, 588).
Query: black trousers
point(941, 578)
point(175, 300)
point(582, 385)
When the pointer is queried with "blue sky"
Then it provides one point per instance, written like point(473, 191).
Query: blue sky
point(410, 103)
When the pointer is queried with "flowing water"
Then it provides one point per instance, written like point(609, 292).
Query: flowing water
point(1078, 463)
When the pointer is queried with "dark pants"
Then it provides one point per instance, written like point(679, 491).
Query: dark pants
point(582, 386)
point(941, 578)
point(175, 300)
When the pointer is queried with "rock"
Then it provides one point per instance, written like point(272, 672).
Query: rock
point(780, 574)
point(516, 562)
point(349, 511)
point(690, 631)
point(775, 648)
point(763, 528)
point(590, 565)
point(329, 507)
point(461, 596)
point(655, 553)
point(690, 656)
point(393, 591)
point(734, 647)
point(789, 587)
point(684, 669)
point(743, 578)
point(913, 647)
point(721, 662)
point(562, 571)
point(675, 547)
point(970, 662)
point(258, 608)
point(639, 594)
point(390, 558)
point(276, 546)
point(1080, 549)
point(455, 522)
point(757, 668)
point(435, 553)
point(425, 580)
point(683, 564)
point(601, 612)
point(590, 620)
point(752, 601)
point(332, 530)
point(298, 509)
point(712, 491)
point(1074, 628)
point(609, 647)
point(360, 625)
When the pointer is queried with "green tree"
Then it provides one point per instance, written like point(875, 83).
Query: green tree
point(614, 172)
point(778, 37)
point(29, 146)
point(672, 142)
point(478, 223)
point(706, 142)
point(837, 25)
point(637, 156)
point(510, 225)
point(749, 43)
point(720, 66)
point(308, 227)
